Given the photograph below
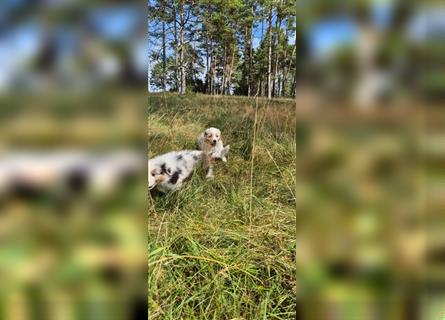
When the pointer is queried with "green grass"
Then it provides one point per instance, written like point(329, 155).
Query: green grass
point(225, 249)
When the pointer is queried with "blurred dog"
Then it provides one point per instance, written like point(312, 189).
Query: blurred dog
point(66, 173)
point(211, 143)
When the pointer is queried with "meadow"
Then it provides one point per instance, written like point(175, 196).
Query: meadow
point(225, 248)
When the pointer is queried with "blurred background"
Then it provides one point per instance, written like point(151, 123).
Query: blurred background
point(371, 150)
point(371, 52)
point(72, 178)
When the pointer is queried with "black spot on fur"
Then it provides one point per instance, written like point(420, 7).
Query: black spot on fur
point(175, 176)
point(77, 180)
point(138, 307)
point(165, 170)
point(195, 157)
point(179, 157)
point(111, 273)
point(156, 193)
point(24, 190)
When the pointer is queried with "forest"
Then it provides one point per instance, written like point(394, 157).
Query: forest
point(219, 47)
point(365, 50)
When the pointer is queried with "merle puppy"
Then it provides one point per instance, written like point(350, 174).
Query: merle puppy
point(168, 171)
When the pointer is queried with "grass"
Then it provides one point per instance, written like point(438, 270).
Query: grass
point(364, 192)
point(225, 249)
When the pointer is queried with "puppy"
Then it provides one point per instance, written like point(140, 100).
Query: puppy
point(156, 174)
point(211, 143)
point(168, 171)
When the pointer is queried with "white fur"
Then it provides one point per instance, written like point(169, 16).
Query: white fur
point(168, 171)
point(211, 143)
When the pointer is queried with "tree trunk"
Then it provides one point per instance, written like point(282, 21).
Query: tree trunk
point(207, 80)
point(248, 50)
point(246, 71)
point(223, 79)
point(164, 59)
point(182, 49)
point(275, 90)
point(148, 76)
point(175, 45)
point(249, 83)
point(286, 75)
point(285, 69)
point(269, 57)
point(294, 85)
point(195, 31)
point(230, 71)
point(212, 68)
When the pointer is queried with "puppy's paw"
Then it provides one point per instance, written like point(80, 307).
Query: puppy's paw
point(210, 177)
point(224, 159)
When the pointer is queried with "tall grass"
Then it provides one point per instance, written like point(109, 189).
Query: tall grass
point(225, 248)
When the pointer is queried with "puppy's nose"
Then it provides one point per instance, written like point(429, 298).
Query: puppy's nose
point(214, 140)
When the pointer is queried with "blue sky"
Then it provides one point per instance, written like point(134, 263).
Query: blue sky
point(324, 35)
point(428, 21)
point(16, 47)
point(116, 22)
point(328, 34)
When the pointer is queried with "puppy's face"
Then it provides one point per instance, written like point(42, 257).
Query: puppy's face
point(212, 136)
point(155, 176)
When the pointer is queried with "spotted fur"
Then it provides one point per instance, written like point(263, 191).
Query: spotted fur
point(167, 172)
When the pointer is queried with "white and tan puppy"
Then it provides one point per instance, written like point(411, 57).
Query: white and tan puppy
point(211, 143)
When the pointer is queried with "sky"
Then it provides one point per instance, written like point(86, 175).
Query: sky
point(428, 21)
point(326, 35)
